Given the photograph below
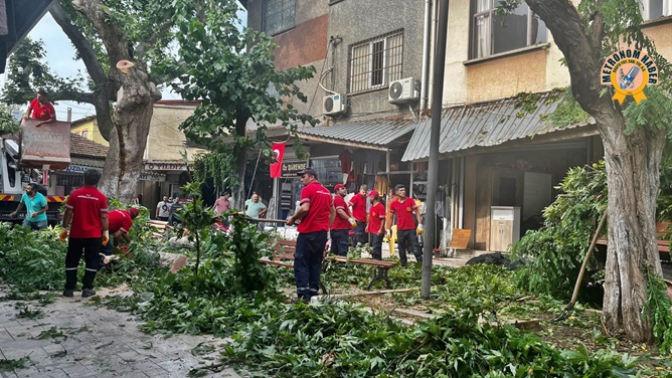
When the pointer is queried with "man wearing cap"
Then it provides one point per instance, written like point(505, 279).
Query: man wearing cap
point(376, 225)
point(358, 203)
point(407, 231)
point(316, 212)
point(120, 222)
point(342, 224)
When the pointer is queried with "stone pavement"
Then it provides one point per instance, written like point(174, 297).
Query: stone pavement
point(97, 343)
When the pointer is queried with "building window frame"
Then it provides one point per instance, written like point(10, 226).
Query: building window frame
point(490, 15)
point(286, 22)
point(367, 75)
point(663, 8)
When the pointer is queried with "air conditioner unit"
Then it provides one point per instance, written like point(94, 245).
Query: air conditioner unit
point(404, 90)
point(334, 104)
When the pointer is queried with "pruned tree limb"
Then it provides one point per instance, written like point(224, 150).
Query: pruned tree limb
point(113, 37)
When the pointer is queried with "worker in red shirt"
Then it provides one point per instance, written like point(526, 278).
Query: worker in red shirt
point(120, 222)
point(407, 230)
point(316, 213)
point(358, 203)
point(41, 109)
point(342, 224)
point(87, 210)
point(376, 225)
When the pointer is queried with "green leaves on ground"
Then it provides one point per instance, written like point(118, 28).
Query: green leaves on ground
point(7, 365)
point(558, 249)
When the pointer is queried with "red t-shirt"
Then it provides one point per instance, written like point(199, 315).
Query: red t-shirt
point(42, 112)
point(320, 202)
point(87, 204)
point(120, 220)
point(405, 212)
point(358, 203)
point(340, 223)
point(376, 218)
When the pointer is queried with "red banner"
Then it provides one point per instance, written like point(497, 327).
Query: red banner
point(278, 150)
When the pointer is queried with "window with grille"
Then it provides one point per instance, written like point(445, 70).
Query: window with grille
point(279, 15)
point(652, 9)
point(376, 62)
point(493, 34)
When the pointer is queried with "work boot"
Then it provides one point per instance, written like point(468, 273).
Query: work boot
point(88, 293)
point(68, 293)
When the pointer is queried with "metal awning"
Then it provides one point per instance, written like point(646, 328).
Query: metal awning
point(374, 134)
point(487, 124)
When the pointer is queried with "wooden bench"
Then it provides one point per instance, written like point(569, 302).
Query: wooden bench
point(378, 274)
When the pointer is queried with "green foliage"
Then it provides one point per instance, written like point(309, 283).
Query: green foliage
point(657, 309)
point(248, 244)
point(8, 124)
point(31, 260)
point(196, 217)
point(231, 71)
point(559, 248)
point(655, 112)
point(11, 366)
point(568, 112)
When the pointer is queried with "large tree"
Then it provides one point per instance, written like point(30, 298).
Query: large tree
point(108, 35)
point(633, 137)
point(231, 71)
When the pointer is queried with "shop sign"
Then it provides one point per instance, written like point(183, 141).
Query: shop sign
point(144, 176)
point(167, 167)
point(78, 169)
point(291, 169)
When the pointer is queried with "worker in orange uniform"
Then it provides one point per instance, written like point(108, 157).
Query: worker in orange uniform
point(120, 222)
point(41, 109)
point(87, 210)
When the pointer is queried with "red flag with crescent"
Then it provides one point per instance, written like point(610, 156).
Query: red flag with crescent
point(278, 150)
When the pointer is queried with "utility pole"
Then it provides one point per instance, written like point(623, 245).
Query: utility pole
point(433, 169)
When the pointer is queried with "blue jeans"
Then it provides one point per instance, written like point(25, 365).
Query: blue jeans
point(308, 263)
point(35, 225)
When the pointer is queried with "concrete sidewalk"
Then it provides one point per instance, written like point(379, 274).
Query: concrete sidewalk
point(97, 342)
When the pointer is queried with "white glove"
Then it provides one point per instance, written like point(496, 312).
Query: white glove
point(353, 222)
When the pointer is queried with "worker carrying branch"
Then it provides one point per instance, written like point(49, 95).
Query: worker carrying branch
point(41, 109)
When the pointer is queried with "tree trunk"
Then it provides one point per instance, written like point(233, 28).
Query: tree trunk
point(128, 140)
point(633, 165)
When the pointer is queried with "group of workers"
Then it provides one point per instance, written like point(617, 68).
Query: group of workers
point(87, 226)
point(319, 215)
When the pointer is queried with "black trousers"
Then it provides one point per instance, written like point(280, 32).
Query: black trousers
point(377, 245)
point(308, 263)
point(90, 248)
point(339, 242)
point(361, 234)
point(408, 239)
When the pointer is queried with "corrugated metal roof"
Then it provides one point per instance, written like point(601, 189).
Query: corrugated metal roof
point(483, 125)
point(377, 133)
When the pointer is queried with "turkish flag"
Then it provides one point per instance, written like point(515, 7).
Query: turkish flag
point(278, 150)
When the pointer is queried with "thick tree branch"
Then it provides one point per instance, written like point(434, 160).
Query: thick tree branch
point(82, 45)
point(72, 95)
point(597, 27)
point(113, 37)
point(583, 59)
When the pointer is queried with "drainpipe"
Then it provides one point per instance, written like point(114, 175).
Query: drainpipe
point(425, 56)
point(461, 207)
